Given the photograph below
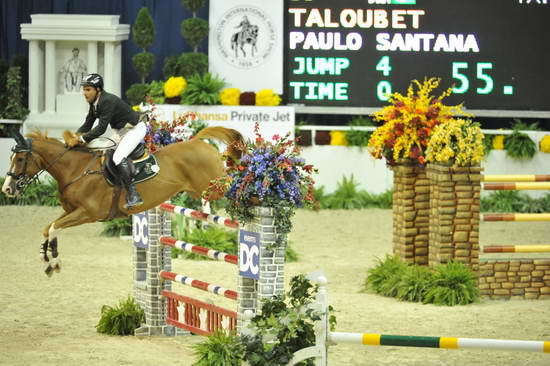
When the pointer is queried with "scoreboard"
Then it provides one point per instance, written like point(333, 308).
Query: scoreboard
point(495, 54)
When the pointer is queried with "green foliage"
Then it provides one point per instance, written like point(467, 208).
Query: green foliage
point(382, 200)
point(281, 329)
point(37, 193)
point(211, 237)
point(453, 284)
point(186, 65)
point(171, 66)
point(191, 63)
point(220, 349)
point(414, 284)
point(4, 66)
point(193, 5)
point(283, 338)
point(117, 227)
point(194, 30)
point(136, 93)
point(386, 276)
point(143, 63)
point(156, 91)
point(514, 201)
point(347, 196)
point(203, 90)
point(123, 319)
point(14, 107)
point(143, 30)
point(359, 138)
point(450, 284)
point(519, 145)
point(488, 143)
point(519, 125)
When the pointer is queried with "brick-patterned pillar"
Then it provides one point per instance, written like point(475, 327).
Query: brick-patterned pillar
point(272, 266)
point(149, 262)
point(147, 284)
point(454, 214)
point(503, 279)
point(411, 209)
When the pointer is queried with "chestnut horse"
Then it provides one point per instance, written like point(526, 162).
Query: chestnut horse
point(87, 197)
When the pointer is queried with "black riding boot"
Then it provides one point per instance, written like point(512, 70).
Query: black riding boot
point(125, 168)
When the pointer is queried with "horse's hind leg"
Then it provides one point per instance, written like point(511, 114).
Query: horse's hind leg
point(66, 220)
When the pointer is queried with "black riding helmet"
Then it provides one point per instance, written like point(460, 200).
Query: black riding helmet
point(94, 80)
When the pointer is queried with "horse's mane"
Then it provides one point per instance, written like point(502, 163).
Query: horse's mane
point(41, 136)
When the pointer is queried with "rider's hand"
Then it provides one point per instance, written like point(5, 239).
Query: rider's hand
point(76, 140)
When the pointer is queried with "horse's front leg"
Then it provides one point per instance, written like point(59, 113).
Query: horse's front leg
point(68, 219)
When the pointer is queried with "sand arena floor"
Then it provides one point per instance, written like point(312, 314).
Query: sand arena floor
point(51, 321)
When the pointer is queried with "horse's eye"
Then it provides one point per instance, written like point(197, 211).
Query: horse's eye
point(20, 160)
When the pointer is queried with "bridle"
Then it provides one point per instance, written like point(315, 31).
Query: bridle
point(23, 180)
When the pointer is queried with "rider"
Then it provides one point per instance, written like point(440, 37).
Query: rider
point(111, 110)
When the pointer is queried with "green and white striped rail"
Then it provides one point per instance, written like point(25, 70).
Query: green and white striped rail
point(374, 339)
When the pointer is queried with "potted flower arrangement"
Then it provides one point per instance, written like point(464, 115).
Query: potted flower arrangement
point(269, 174)
point(458, 142)
point(162, 133)
point(454, 153)
point(408, 122)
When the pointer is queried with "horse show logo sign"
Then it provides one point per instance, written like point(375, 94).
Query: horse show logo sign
point(245, 36)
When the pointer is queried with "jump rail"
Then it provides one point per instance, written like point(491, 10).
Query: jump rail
point(516, 186)
point(516, 249)
point(515, 178)
point(516, 217)
point(198, 215)
point(198, 284)
point(188, 247)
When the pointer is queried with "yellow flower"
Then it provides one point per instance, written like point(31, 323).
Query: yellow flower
point(136, 108)
point(338, 138)
point(230, 96)
point(174, 86)
point(498, 142)
point(458, 141)
point(409, 120)
point(545, 144)
point(266, 97)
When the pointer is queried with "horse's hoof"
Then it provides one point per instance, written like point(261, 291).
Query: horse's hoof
point(56, 265)
point(49, 270)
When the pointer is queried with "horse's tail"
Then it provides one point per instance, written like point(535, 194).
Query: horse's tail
point(233, 139)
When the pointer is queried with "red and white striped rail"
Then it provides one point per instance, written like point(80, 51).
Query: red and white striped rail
point(188, 247)
point(198, 215)
point(198, 284)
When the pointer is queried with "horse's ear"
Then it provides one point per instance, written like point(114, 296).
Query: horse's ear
point(19, 139)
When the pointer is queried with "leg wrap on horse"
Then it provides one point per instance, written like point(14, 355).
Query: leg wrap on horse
point(53, 248)
point(55, 262)
point(44, 251)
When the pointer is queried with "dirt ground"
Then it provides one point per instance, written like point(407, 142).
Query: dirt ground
point(51, 321)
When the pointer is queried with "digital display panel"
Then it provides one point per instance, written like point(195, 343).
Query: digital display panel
point(495, 54)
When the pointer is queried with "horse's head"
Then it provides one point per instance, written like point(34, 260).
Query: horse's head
point(24, 165)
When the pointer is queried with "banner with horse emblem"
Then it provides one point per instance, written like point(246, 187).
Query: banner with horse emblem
point(246, 43)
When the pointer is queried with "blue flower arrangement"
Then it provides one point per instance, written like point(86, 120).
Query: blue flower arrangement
point(270, 174)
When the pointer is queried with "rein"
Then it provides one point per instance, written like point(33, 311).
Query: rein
point(23, 182)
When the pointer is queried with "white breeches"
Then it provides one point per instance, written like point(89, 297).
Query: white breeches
point(128, 139)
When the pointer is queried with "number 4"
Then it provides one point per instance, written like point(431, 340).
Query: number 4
point(384, 65)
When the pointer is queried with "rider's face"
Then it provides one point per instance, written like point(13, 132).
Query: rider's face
point(89, 93)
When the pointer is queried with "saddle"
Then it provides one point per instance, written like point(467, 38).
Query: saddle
point(145, 166)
